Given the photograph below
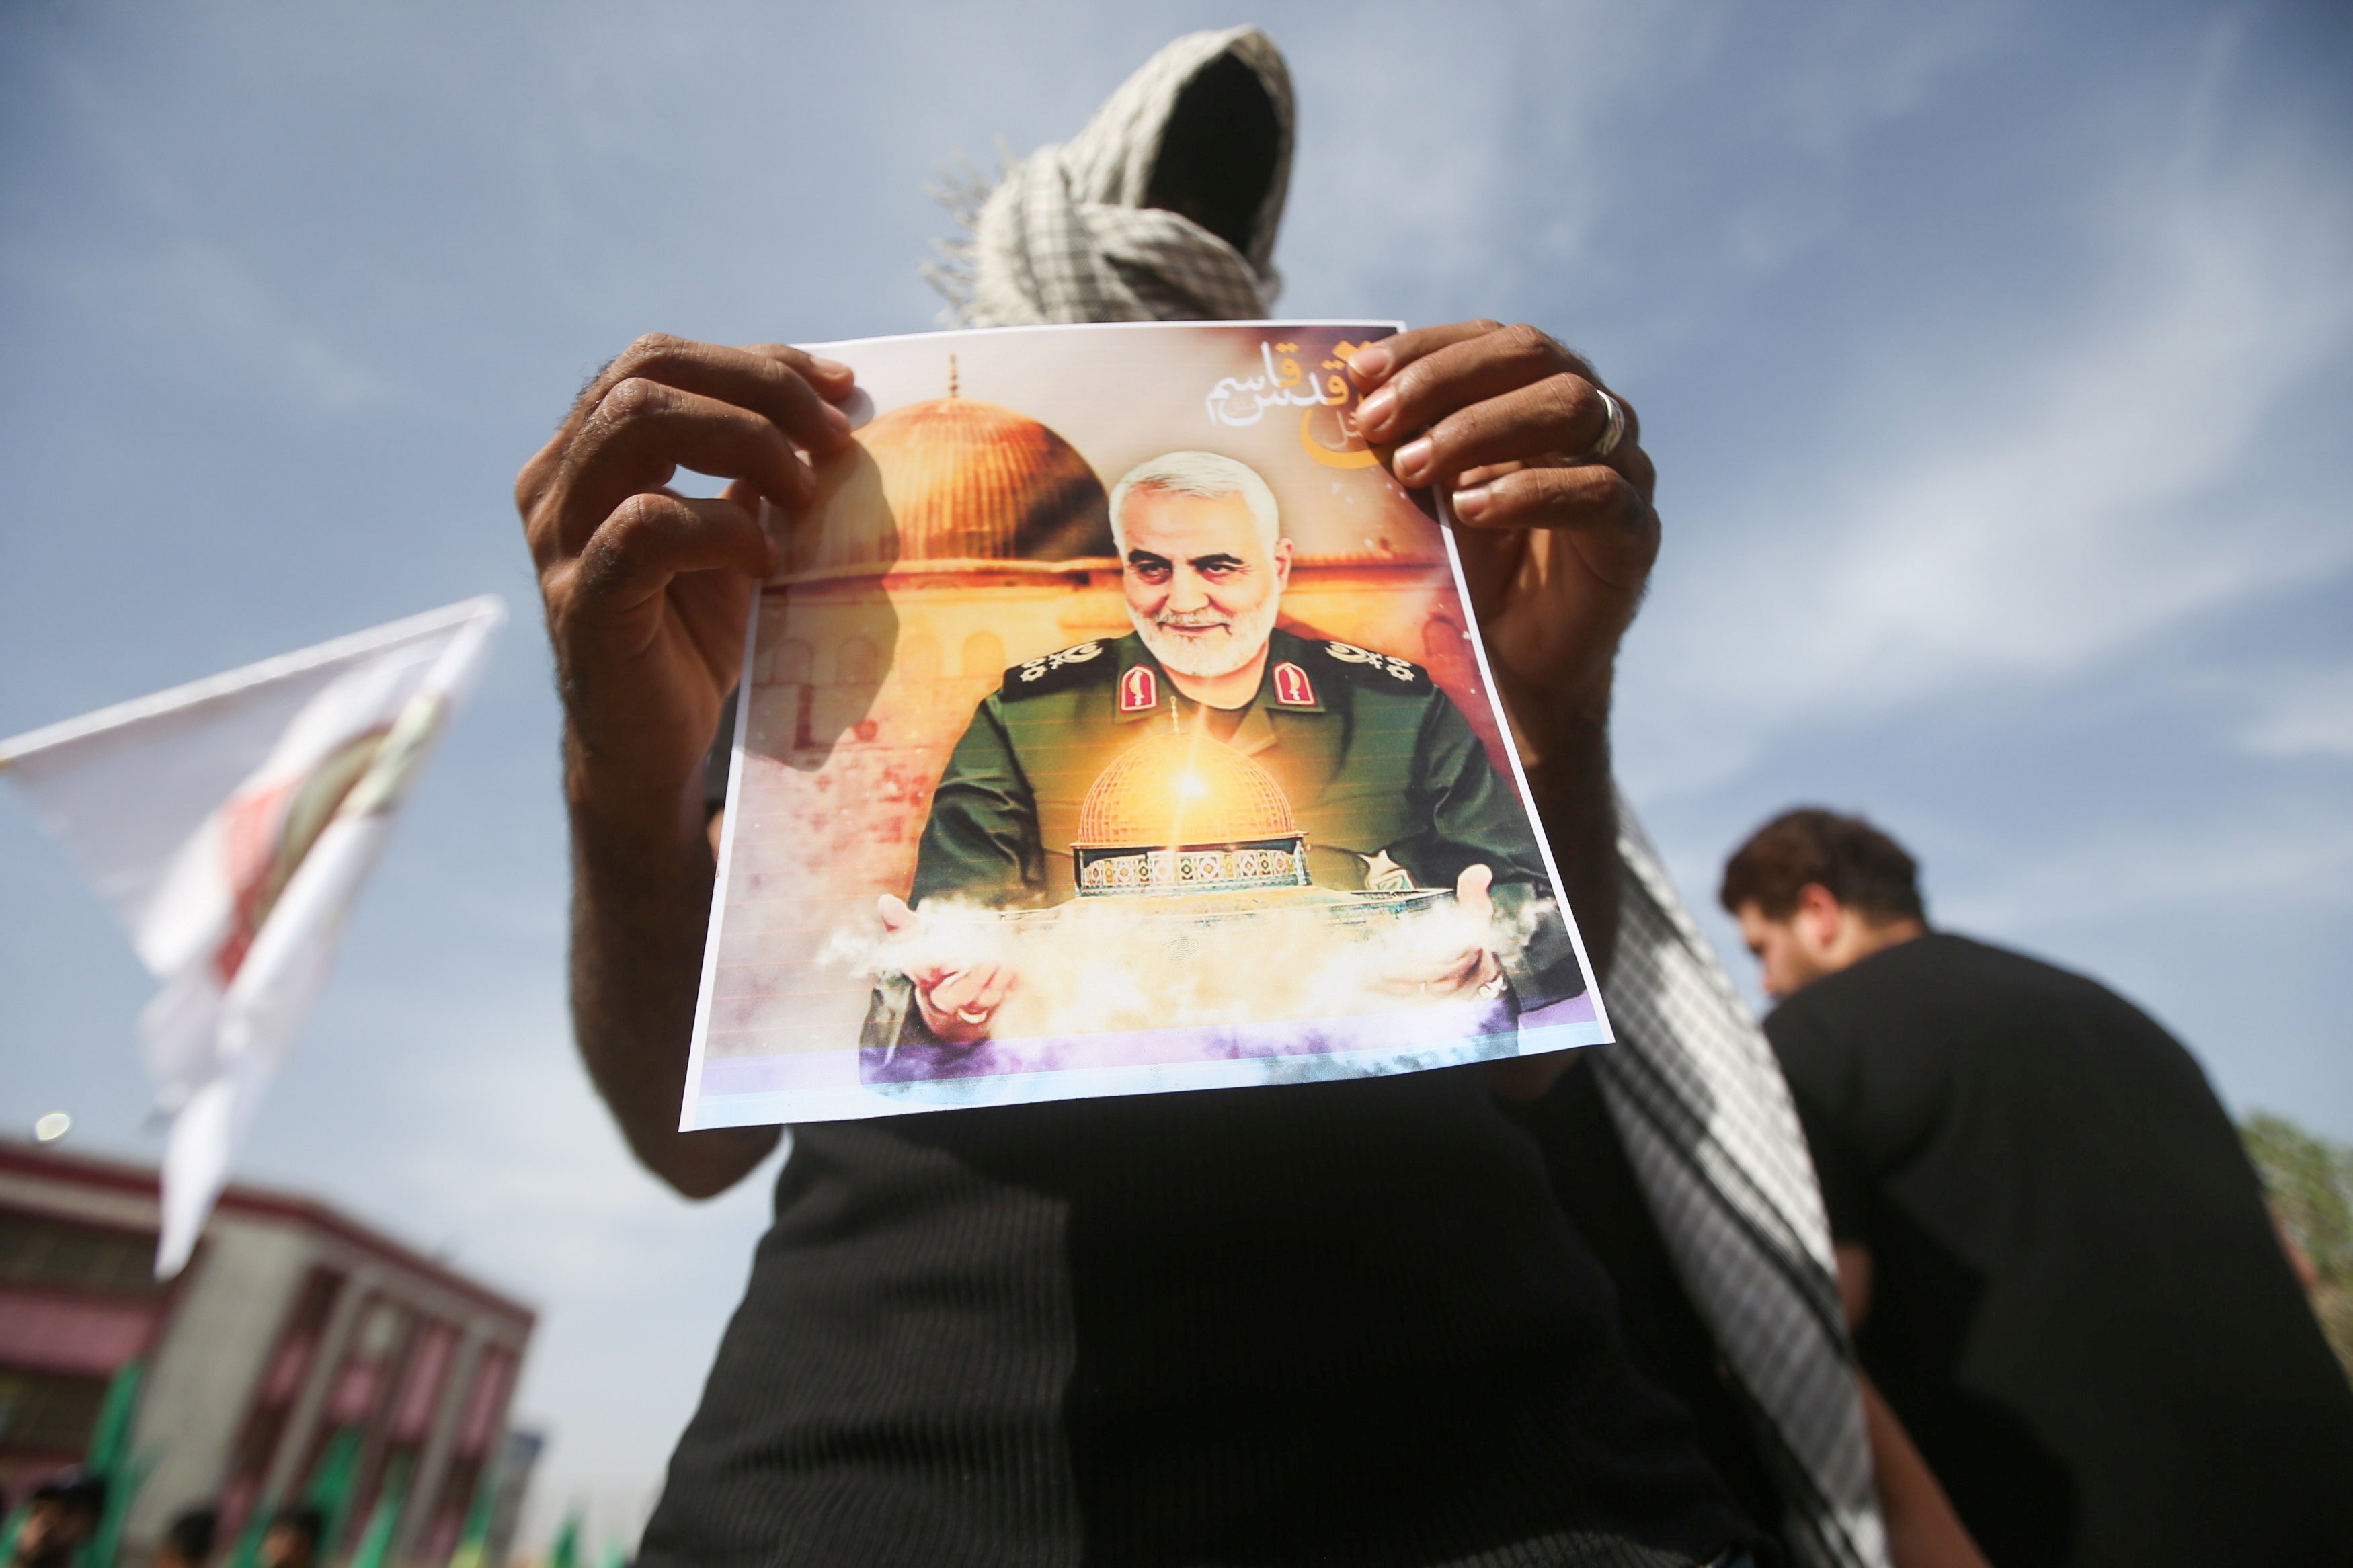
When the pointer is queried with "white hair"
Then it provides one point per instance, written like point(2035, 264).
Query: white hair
point(1203, 474)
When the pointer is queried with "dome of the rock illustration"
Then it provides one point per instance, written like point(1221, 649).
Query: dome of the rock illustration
point(956, 480)
point(1185, 813)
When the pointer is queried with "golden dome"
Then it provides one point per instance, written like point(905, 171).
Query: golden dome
point(956, 479)
point(1187, 814)
point(1177, 789)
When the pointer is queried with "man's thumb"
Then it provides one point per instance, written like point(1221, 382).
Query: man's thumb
point(1470, 890)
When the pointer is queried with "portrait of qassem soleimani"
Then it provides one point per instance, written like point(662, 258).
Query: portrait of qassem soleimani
point(1346, 776)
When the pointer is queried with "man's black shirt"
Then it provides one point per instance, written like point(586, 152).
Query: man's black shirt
point(2080, 1308)
point(1330, 1324)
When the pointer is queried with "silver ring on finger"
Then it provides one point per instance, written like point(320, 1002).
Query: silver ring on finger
point(1613, 429)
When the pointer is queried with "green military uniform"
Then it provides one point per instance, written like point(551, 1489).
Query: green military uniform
point(1385, 777)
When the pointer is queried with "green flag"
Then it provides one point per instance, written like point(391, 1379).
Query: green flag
point(474, 1541)
point(567, 1551)
point(375, 1546)
point(110, 1441)
point(109, 1457)
point(332, 1479)
point(247, 1553)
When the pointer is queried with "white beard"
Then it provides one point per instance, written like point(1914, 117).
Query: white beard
point(1245, 638)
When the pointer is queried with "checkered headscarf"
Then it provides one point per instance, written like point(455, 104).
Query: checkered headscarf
point(1691, 1083)
point(1065, 236)
point(1709, 1127)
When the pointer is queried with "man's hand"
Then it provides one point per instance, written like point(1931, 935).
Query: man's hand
point(1467, 969)
point(646, 592)
point(959, 1002)
point(1556, 547)
point(647, 595)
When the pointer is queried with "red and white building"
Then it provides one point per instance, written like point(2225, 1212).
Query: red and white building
point(291, 1323)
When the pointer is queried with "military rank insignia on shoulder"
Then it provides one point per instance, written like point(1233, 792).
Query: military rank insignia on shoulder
point(1057, 671)
point(1381, 671)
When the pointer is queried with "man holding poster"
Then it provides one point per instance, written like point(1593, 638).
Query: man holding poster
point(1336, 1322)
point(1136, 1320)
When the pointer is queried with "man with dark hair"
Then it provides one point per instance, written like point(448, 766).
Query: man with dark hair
point(61, 1517)
point(293, 1537)
point(189, 1543)
point(2052, 1247)
point(1827, 889)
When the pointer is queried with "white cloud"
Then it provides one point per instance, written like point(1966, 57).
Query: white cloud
point(2306, 714)
point(225, 326)
point(2297, 855)
point(160, 276)
point(1447, 169)
point(1427, 152)
point(1871, 66)
point(2020, 520)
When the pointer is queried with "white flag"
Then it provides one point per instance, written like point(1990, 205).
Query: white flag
point(230, 822)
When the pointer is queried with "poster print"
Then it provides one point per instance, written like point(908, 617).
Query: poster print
point(1116, 725)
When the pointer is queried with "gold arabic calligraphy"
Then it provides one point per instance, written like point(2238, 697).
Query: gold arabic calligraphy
point(1243, 400)
point(1324, 430)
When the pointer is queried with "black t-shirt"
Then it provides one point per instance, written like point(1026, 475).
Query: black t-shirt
point(2080, 1310)
point(1323, 1323)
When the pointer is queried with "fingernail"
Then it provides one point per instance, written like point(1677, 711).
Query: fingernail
point(832, 369)
point(1371, 363)
point(1470, 505)
point(836, 420)
point(1413, 460)
point(1374, 411)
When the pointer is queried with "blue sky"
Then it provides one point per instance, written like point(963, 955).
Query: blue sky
point(1996, 359)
